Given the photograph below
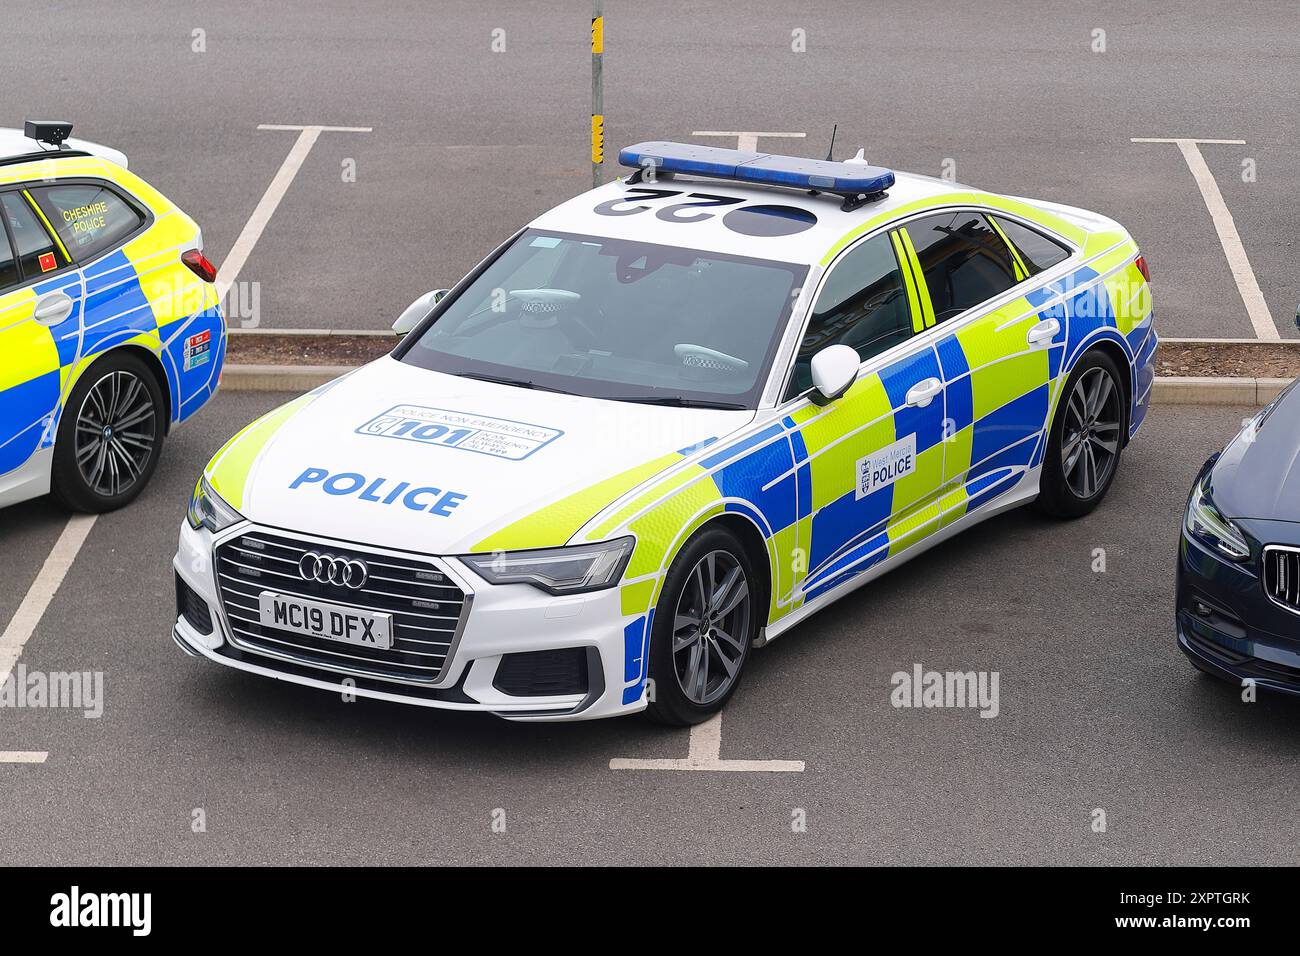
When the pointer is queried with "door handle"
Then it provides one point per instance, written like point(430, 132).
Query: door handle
point(53, 308)
point(923, 392)
point(1043, 333)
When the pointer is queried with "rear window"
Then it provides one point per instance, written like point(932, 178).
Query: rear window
point(1036, 250)
point(90, 218)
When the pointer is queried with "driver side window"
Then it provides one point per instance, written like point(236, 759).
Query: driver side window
point(863, 305)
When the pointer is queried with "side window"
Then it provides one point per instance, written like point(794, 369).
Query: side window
point(8, 264)
point(964, 261)
point(32, 243)
point(90, 219)
point(863, 305)
point(1037, 251)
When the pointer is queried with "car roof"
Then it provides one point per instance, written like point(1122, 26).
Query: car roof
point(716, 234)
point(14, 143)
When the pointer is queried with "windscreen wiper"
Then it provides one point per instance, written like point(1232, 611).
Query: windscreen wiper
point(503, 380)
point(677, 401)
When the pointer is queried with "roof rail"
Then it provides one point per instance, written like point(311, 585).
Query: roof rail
point(856, 183)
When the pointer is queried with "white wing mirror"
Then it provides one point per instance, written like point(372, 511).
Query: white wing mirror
point(834, 369)
point(414, 313)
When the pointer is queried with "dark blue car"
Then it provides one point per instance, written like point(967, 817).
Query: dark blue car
point(1238, 612)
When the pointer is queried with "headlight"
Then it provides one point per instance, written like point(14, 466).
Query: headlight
point(571, 570)
point(207, 510)
point(1204, 523)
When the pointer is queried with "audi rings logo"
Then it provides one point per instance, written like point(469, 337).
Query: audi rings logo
point(327, 569)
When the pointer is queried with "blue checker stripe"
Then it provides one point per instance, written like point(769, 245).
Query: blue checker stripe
point(876, 547)
point(844, 519)
point(745, 479)
point(1009, 424)
point(26, 408)
point(926, 423)
point(731, 451)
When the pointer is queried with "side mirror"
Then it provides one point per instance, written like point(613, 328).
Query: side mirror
point(414, 313)
point(834, 370)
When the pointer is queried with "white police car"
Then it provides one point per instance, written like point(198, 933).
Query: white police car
point(663, 424)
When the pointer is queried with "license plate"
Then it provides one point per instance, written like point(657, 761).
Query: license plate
point(330, 622)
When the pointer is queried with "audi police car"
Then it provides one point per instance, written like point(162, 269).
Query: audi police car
point(663, 424)
point(110, 330)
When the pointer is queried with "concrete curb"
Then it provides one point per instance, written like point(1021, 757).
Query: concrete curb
point(1168, 390)
point(1192, 390)
point(278, 378)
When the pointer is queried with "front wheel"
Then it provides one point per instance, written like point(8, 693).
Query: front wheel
point(110, 435)
point(1086, 440)
point(704, 625)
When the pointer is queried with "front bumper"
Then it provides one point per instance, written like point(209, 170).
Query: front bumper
point(503, 622)
point(1228, 626)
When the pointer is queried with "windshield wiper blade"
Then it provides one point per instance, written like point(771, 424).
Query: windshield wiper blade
point(677, 401)
point(503, 380)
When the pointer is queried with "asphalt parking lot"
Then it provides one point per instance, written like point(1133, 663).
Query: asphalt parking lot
point(466, 144)
point(1097, 710)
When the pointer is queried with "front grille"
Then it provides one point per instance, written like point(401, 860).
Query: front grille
point(1282, 576)
point(426, 603)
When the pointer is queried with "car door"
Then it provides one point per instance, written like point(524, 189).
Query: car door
point(39, 297)
point(871, 462)
point(999, 361)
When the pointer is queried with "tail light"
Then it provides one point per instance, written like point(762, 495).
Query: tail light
point(202, 266)
point(1141, 263)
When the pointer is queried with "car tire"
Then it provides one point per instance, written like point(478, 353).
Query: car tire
point(708, 611)
point(110, 435)
point(1086, 441)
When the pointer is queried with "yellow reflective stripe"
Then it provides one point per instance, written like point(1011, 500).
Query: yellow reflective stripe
point(597, 35)
point(922, 290)
point(918, 318)
point(229, 469)
point(53, 232)
point(1021, 272)
point(556, 523)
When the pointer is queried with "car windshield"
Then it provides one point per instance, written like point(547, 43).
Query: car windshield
point(614, 318)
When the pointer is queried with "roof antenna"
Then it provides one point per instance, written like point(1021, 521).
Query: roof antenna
point(830, 152)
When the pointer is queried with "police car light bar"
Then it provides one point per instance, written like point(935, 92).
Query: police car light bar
point(50, 132)
point(855, 182)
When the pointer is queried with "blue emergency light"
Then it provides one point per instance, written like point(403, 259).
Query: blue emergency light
point(857, 182)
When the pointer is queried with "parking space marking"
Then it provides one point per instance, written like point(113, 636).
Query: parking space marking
point(748, 140)
point(1242, 273)
point(23, 756)
point(243, 247)
point(38, 597)
point(705, 753)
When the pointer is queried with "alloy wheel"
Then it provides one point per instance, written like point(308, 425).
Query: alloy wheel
point(711, 627)
point(1091, 436)
point(117, 429)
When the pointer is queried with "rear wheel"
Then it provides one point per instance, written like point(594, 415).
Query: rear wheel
point(1086, 440)
point(110, 435)
point(704, 626)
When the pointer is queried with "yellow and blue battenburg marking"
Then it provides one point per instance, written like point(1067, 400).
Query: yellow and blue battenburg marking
point(798, 480)
point(140, 295)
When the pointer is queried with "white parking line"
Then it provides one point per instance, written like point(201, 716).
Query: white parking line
point(704, 753)
point(23, 756)
point(1247, 286)
point(748, 140)
point(38, 597)
point(243, 247)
